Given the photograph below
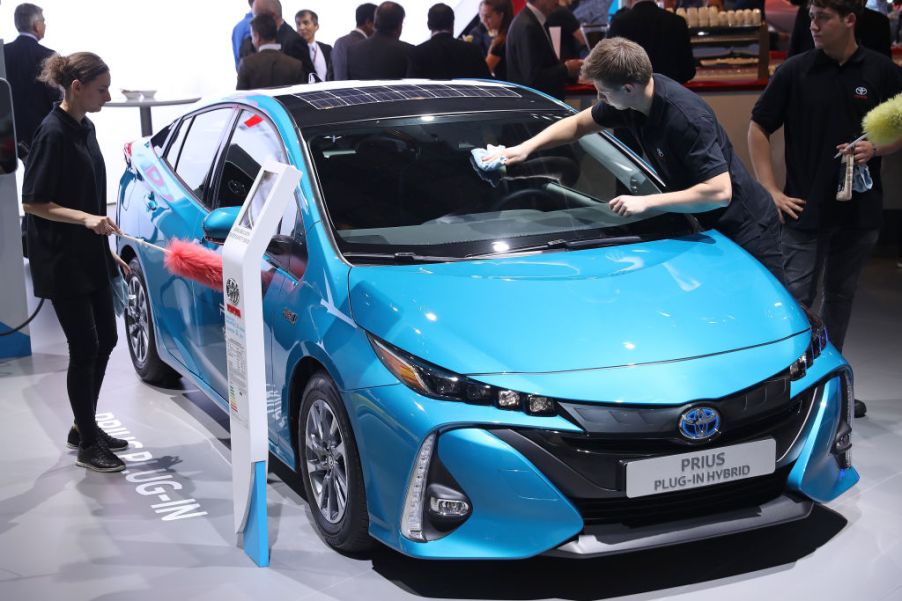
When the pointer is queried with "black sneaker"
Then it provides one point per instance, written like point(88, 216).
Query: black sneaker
point(113, 444)
point(99, 458)
point(860, 408)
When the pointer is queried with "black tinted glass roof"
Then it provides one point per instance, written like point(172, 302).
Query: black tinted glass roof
point(327, 99)
point(368, 102)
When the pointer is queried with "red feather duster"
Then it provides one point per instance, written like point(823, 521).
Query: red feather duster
point(193, 261)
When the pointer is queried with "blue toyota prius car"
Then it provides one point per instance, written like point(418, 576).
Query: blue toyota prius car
point(470, 364)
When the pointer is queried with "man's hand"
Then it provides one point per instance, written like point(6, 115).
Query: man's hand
point(864, 151)
point(627, 206)
point(513, 155)
point(789, 205)
point(101, 224)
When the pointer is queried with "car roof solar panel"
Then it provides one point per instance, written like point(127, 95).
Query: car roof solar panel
point(328, 99)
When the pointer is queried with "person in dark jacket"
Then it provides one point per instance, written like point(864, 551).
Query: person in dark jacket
point(442, 56)
point(64, 193)
point(872, 30)
point(288, 39)
point(268, 66)
point(307, 23)
point(32, 99)
point(531, 60)
point(364, 19)
point(383, 55)
point(663, 35)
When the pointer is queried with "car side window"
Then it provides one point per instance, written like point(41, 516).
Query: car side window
point(172, 153)
point(253, 142)
point(199, 149)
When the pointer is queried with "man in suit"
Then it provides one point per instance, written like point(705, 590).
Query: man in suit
point(443, 57)
point(383, 55)
point(268, 66)
point(307, 23)
point(531, 60)
point(32, 100)
point(663, 35)
point(288, 39)
point(364, 19)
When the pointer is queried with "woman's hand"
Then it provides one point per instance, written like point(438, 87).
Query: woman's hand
point(126, 270)
point(101, 225)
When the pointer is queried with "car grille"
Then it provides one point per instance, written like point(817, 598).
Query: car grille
point(592, 465)
point(685, 504)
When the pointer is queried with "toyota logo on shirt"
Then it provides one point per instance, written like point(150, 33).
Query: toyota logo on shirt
point(861, 93)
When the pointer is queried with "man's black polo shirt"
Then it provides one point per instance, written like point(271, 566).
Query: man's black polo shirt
point(821, 103)
point(65, 166)
point(683, 141)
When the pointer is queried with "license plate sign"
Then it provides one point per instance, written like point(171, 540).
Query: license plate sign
point(700, 468)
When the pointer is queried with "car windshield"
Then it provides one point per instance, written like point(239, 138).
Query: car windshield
point(409, 188)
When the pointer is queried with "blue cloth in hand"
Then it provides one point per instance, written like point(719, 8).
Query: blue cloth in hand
point(478, 153)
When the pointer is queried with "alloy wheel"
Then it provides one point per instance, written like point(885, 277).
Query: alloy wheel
point(326, 461)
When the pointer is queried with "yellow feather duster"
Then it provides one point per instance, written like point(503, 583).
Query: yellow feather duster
point(883, 123)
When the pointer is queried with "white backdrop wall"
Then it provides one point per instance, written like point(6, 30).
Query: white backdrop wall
point(181, 48)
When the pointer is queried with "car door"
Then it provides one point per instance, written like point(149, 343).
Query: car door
point(176, 202)
point(252, 141)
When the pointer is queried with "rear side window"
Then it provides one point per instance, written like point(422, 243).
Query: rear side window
point(199, 149)
point(253, 142)
point(172, 153)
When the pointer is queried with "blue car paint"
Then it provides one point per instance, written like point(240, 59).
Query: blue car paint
point(335, 304)
point(509, 496)
point(562, 311)
point(816, 473)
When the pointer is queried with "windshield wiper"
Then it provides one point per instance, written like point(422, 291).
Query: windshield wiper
point(565, 244)
point(398, 257)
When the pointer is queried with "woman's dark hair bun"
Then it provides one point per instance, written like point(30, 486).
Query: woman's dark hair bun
point(61, 71)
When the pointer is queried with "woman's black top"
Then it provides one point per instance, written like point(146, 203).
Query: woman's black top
point(65, 166)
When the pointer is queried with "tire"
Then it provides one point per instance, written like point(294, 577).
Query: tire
point(329, 468)
point(142, 344)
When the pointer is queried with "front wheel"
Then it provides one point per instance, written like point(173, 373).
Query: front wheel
point(330, 468)
point(142, 344)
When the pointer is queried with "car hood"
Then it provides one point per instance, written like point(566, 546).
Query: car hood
point(570, 310)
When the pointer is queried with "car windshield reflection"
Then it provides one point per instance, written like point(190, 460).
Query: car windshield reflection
point(412, 185)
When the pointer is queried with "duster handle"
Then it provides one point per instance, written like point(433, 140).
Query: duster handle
point(143, 243)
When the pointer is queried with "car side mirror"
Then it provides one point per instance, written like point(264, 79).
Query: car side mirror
point(218, 223)
point(8, 162)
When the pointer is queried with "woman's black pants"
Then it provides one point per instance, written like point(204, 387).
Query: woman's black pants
point(89, 323)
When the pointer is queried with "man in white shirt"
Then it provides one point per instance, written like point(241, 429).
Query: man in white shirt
point(307, 23)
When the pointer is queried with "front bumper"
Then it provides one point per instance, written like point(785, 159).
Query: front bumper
point(561, 491)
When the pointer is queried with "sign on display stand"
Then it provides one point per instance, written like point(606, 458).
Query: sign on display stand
point(242, 253)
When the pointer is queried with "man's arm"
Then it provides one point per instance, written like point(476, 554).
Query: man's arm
point(708, 195)
point(759, 154)
point(561, 132)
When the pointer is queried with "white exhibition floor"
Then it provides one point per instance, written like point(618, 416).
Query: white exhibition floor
point(68, 534)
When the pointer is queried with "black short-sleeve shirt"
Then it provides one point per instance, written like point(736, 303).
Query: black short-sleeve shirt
point(65, 166)
point(820, 104)
point(682, 139)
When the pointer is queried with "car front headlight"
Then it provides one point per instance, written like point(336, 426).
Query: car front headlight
point(433, 381)
point(816, 346)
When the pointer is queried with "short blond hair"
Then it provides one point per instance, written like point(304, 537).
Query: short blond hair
point(617, 61)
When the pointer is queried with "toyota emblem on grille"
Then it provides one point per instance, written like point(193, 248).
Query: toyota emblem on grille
point(700, 423)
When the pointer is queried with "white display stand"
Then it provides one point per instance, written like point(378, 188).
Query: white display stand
point(242, 253)
point(13, 303)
